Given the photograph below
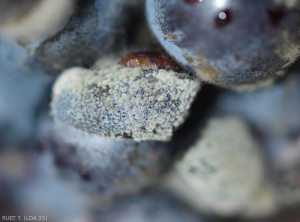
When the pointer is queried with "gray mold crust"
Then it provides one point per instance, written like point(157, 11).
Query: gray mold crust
point(120, 102)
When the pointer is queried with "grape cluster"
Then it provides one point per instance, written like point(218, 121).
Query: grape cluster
point(150, 110)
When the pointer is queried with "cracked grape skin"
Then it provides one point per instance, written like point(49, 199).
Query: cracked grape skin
point(121, 102)
point(107, 169)
point(254, 42)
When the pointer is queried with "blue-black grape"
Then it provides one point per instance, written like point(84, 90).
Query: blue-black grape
point(230, 42)
point(107, 167)
point(96, 29)
point(24, 86)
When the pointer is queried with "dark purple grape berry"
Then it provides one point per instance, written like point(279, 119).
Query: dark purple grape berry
point(107, 167)
point(230, 42)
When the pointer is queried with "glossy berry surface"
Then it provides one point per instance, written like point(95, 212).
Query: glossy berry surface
point(227, 42)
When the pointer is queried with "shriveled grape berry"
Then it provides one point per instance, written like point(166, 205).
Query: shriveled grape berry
point(228, 42)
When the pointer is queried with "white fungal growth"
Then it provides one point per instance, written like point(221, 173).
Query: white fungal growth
point(225, 171)
point(121, 102)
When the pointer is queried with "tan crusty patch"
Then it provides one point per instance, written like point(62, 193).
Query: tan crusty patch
point(120, 102)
